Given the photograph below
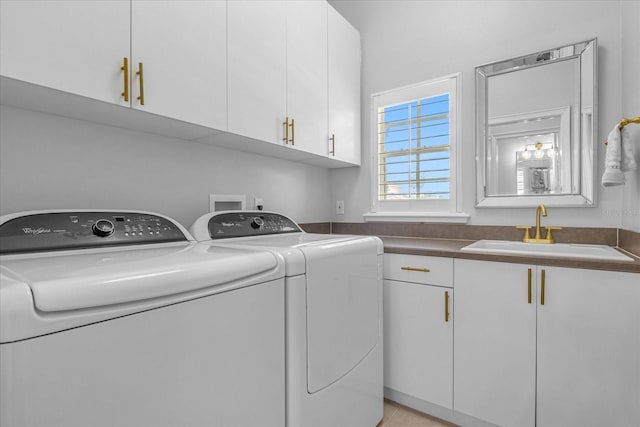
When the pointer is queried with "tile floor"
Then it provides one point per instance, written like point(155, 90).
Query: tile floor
point(396, 415)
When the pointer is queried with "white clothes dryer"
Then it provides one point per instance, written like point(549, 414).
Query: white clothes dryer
point(112, 318)
point(333, 292)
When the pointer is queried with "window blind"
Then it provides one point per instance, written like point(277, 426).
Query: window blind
point(414, 152)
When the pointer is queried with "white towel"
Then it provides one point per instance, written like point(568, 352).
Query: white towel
point(627, 161)
point(619, 157)
point(612, 173)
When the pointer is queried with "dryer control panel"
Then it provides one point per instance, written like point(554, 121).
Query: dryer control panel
point(77, 230)
point(250, 223)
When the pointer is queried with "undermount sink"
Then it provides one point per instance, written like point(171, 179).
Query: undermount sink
point(560, 250)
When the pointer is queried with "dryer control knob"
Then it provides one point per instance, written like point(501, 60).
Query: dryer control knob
point(103, 228)
point(257, 222)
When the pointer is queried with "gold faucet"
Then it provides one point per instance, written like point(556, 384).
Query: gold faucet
point(539, 210)
point(538, 236)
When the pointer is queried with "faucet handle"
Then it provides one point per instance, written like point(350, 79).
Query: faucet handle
point(549, 236)
point(527, 234)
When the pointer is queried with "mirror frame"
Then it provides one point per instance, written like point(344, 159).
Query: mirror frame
point(587, 151)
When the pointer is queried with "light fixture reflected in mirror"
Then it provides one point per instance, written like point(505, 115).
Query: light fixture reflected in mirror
point(536, 167)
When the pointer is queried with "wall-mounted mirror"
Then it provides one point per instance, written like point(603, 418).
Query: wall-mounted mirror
point(535, 127)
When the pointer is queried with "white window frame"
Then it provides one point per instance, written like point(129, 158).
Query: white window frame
point(431, 210)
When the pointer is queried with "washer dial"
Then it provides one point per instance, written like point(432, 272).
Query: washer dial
point(257, 222)
point(103, 228)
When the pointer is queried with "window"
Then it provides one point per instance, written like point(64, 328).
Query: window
point(415, 145)
point(413, 150)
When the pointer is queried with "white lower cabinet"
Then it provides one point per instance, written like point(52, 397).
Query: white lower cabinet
point(559, 349)
point(589, 349)
point(418, 327)
point(495, 343)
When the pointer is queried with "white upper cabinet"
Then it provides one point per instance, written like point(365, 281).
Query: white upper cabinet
point(72, 46)
point(278, 72)
point(257, 74)
point(80, 47)
point(344, 89)
point(307, 74)
point(182, 46)
point(284, 72)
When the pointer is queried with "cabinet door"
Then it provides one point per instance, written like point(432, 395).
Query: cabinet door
point(182, 45)
point(307, 74)
point(344, 89)
point(418, 347)
point(73, 46)
point(589, 349)
point(257, 69)
point(495, 342)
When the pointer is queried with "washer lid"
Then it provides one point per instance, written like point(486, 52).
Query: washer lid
point(293, 240)
point(58, 290)
point(293, 246)
point(83, 281)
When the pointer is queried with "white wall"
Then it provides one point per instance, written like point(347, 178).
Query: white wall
point(630, 211)
point(405, 42)
point(48, 161)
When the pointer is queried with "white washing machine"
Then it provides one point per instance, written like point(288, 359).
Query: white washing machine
point(333, 292)
point(120, 319)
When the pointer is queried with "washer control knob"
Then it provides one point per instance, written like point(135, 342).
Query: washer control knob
point(103, 228)
point(257, 222)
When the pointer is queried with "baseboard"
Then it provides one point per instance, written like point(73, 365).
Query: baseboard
point(435, 410)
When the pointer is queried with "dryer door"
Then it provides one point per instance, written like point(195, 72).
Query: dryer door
point(343, 307)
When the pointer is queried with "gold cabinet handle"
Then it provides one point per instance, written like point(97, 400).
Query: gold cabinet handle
point(140, 74)
point(125, 77)
point(542, 285)
point(333, 144)
point(529, 293)
point(446, 306)
point(286, 130)
point(423, 270)
point(293, 134)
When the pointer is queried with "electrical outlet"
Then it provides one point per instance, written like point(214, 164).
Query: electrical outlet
point(340, 207)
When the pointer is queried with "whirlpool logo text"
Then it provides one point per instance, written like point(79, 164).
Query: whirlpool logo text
point(35, 231)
